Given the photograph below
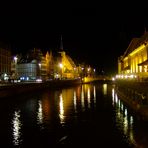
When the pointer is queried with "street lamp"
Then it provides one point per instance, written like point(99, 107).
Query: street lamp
point(61, 65)
point(15, 59)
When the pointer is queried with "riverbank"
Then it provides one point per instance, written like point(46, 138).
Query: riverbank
point(11, 89)
point(135, 95)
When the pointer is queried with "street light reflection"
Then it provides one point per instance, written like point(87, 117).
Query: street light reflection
point(40, 113)
point(82, 98)
point(105, 89)
point(123, 119)
point(88, 96)
point(16, 128)
point(75, 102)
point(61, 105)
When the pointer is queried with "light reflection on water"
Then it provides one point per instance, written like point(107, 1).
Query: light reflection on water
point(40, 113)
point(16, 128)
point(105, 89)
point(75, 101)
point(123, 121)
point(94, 94)
point(88, 96)
point(53, 111)
point(82, 98)
point(61, 113)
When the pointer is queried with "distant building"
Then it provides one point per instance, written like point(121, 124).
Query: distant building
point(53, 65)
point(27, 70)
point(68, 67)
point(49, 65)
point(5, 63)
point(32, 66)
point(134, 61)
point(65, 67)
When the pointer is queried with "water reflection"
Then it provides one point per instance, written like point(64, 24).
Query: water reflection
point(40, 113)
point(75, 101)
point(82, 98)
point(94, 93)
point(88, 96)
point(16, 128)
point(61, 105)
point(124, 121)
point(62, 113)
point(79, 99)
point(105, 89)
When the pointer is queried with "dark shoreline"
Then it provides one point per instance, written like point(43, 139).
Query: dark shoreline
point(12, 89)
point(21, 88)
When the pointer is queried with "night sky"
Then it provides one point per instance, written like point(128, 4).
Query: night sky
point(94, 34)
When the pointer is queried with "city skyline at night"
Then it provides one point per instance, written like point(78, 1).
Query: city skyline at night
point(89, 35)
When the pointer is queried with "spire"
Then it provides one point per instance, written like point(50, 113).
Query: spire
point(61, 44)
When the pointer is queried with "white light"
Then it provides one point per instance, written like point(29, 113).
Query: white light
point(61, 65)
point(15, 59)
point(16, 128)
point(61, 105)
point(38, 80)
point(113, 79)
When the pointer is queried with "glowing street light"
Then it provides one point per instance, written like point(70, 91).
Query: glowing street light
point(39, 65)
point(15, 59)
point(61, 66)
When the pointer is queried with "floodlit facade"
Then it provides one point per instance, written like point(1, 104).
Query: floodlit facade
point(68, 67)
point(34, 65)
point(49, 65)
point(134, 62)
point(64, 66)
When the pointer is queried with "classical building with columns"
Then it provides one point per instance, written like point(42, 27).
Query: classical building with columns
point(134, 62)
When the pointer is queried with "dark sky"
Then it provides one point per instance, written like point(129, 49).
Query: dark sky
point(94, 34)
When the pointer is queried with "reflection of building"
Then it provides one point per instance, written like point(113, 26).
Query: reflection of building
point(134, 61)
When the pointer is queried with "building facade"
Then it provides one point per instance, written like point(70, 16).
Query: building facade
point(134, 62)
point(5, 63)
point(32, 66)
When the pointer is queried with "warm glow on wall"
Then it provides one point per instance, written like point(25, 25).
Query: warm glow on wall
point(137, 50)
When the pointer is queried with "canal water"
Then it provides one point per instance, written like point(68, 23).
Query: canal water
point(85, 115)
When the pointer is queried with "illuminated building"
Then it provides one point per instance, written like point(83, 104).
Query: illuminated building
point(32, 66)
point(67, 66)
point(134, 61)
point(49, 65)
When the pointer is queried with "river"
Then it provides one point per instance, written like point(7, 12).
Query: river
point(84, 115)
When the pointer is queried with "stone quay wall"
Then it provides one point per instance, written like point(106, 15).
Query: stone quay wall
point(135, 95)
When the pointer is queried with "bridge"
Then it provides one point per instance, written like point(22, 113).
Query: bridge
point(97, 78)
